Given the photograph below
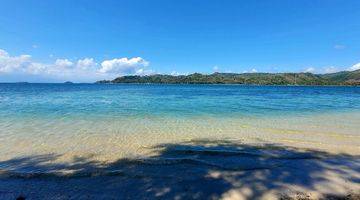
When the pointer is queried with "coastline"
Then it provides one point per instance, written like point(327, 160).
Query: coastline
point(220, 167)
point(69, 141)
point(302, 78)
point(221, 84)
point(182, 84)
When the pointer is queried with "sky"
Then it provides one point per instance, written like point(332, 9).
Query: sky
point(85, 41)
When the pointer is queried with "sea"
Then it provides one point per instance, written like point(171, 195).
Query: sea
point(107, 122)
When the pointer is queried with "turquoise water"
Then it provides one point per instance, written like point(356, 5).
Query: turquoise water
point(114, 121)
point(95, 100)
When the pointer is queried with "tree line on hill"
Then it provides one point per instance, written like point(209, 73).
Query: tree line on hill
point(339, 78)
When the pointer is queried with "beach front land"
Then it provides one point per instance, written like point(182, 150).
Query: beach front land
point(94, 141)
point(201, 169)
point(311, 157)
point(284, 158)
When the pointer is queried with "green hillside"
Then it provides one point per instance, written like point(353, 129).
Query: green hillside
point(344, 77)
point(340, 78)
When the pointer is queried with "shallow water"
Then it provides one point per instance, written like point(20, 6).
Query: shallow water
point(108, 122)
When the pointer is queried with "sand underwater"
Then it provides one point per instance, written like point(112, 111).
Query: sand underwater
point(88, 141)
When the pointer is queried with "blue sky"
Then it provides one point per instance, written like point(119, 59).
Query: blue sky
point(83, 41)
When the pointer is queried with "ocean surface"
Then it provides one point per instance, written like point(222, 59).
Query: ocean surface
point(108, 122)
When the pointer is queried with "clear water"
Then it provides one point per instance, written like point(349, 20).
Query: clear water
point(177, 101)
point(112, 121)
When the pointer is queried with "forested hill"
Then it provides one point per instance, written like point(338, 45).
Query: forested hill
point(339, 78)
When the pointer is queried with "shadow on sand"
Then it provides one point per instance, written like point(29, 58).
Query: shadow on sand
point(199, 169)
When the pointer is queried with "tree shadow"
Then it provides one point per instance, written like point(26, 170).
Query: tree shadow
point(201, 169)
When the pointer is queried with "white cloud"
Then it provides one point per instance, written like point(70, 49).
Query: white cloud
point(216, 68)
point(331, 69)
point(63, 63)
point(123, 65)
point(34, 46)
point(339, 46)
point(355, 67)
point(251, 71)
point(144, 72)
point(83, 70)
point(3, 53)
point(86, 63)
point(174, 73)
point(10, 64)
point(310, 70)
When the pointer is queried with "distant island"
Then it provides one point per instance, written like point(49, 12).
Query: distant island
point(339, 78)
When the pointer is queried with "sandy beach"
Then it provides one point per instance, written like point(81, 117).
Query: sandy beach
point(201, 169)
